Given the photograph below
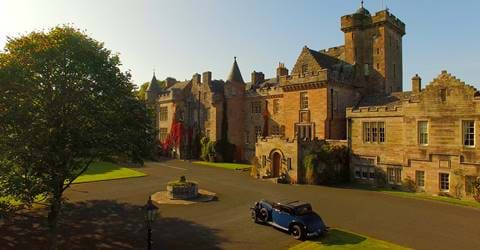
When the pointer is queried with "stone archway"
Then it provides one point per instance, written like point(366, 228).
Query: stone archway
point(276, 164)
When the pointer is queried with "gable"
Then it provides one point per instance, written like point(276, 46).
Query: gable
point(313, 61)
point(446, 88)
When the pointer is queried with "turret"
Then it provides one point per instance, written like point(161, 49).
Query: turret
point(153, 90)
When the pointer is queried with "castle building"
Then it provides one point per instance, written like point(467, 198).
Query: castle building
point(329, 95)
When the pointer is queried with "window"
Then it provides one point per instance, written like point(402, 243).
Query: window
point(378, 66)
point(394, 71)
point(381, 132)
point(420, 178)
point(468, 133)
point(304, 131)
point(258, 131)
point(275, 130)
point(372, 173)
point(303, 100)
point(358, 173)
point(163, 113)
point(444, 181)
point(443, 95)
point(374, 132)
point(365, 173)
point(276, 106)
point(366, 69)
point(394, 175)
point(256, 107)
point(423, 132)
point(378, 51)
point(289, 163)
point(163, 134)
point(304, 68)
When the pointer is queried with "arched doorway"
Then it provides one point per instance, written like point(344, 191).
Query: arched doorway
point(276, 164)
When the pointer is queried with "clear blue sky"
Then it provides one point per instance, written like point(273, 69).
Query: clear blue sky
point(181, 37)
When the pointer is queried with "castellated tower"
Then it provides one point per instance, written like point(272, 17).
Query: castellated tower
point(374, 45)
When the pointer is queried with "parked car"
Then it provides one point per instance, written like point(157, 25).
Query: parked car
point(295, 217)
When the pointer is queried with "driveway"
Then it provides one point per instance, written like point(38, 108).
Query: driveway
point(108, 214)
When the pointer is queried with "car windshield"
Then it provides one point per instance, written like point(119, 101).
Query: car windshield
point(302, 210)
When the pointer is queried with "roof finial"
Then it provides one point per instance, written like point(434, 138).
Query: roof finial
point(361, 4)
point(235, 58)
point(154, 71)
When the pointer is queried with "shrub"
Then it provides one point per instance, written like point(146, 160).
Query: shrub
point(255, 165)
point(409, 185)
point(476, 189)
point(309, 162)
point(380, 178)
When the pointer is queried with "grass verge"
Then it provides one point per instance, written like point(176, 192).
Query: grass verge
point(224, 165)
point(102, 171)
point(421, 196)
point(341, 239)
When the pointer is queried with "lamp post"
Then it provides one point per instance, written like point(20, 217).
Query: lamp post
point(150, 215)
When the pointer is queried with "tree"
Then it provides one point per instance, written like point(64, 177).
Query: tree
point(140, 93)
point(63, 103)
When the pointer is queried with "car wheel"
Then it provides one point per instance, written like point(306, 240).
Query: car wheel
point(298, 232)
point(254, 216)
point(264, 214)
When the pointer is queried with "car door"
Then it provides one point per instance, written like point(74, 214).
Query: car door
point(282, 217)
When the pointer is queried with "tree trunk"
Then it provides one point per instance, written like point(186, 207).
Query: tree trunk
point(53, 214)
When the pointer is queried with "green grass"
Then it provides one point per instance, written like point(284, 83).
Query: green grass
point(102, 171)
point(341, 239)
point(224, 165)
point(422, 196)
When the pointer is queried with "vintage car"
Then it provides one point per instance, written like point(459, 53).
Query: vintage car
point(295, 217)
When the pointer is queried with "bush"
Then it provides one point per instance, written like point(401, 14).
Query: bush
point(309, 162)
point(409, 185)
point(476, 189)
point(380, 178)
point(225, 151)
point(255, 165)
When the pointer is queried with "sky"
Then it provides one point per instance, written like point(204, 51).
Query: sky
point(178, 38)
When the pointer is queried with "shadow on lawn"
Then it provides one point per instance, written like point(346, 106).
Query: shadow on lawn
point(338, 237)
point(106, 224)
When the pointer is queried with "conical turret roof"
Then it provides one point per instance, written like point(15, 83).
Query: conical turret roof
point(235, 75)
point(154, 87)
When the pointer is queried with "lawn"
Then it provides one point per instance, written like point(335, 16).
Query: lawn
point(421, 196)
point(102, 171)
point(233, 166)
point(341, 239)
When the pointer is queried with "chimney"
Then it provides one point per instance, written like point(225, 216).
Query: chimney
point(169, 81)
point(257, 77)
point(196, 78)
point(281, 70)
point(416, 84)
point(207, 77)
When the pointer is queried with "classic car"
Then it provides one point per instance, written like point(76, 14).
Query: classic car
point(295, 217)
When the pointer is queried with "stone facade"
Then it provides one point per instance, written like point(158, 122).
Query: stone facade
point(330, 95)
point(429, 137)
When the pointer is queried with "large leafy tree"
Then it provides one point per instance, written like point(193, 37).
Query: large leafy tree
point(64, 103)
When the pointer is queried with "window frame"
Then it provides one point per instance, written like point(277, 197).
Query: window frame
point(420, 182)
point(463, 133)
point(441, 182)
point(163, 113)
point(420, 133)
point(304, 100)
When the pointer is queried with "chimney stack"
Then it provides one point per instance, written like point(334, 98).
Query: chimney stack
point(281, 70)
point(257, 77)
point(169, 81)
point(207, 77)
point(196, 78)
point(416, 84)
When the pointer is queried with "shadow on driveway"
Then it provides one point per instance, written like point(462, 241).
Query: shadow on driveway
point(105, 224)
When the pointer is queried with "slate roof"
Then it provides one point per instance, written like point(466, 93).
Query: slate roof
point(235, 75)
point(270, 82)
point(217, 86)
point(154, 85)
point(394, 99)
point(179, 85)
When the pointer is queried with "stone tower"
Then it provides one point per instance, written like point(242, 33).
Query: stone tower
point(374, 45)
point(234, 103)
